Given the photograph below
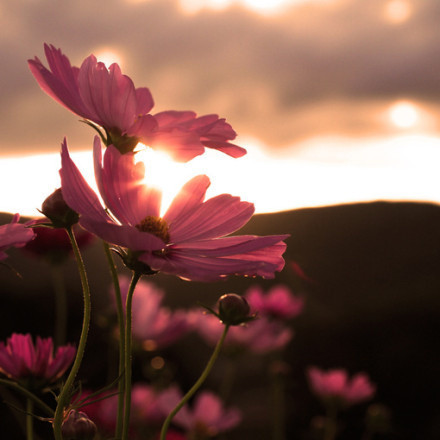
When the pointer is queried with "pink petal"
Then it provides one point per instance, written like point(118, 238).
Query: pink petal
point(121, 185)
point(76, 191)
point(216, 217)
point(122, 235)
point(189, 198)
point(61, 82)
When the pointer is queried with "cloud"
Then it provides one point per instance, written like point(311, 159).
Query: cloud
point(318, 68)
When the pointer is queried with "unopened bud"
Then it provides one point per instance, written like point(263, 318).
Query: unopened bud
point(78, 426)
point(56, 210)
point(233, 309)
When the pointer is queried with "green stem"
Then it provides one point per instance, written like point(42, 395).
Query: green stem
point(128, 339)
point(30, 396)
point(29, 419)
point(196, 386)
point(120, 315)
point(64, 395)
point(60, 305)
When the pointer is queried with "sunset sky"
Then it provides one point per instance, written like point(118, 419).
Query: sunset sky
point(336, 100)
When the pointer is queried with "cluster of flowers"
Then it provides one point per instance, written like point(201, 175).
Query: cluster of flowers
point(191, 240)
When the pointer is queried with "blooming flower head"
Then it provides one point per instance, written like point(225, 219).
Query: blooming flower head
point(259, 336)
point(34, 365)
point(336, 386)
point(207, 417)
point(279, 302)
point(109, 99)
point(190, 240)
point(154, 325)
point(14, 234)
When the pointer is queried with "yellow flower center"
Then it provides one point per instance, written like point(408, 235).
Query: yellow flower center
point(156, 226)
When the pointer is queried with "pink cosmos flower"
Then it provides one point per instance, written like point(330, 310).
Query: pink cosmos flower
point(258, 336)
point(188, 241)
point(21, 360)
point(109, 99)
point(14, 234)
point(156, 326)
point(335, 385)
point(207, 417)
point(279, 302)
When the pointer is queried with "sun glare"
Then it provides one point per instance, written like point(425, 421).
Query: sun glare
point(108, 56)
point(317, 173)
point(397, 11)
point(264, 7)
point(404, 114)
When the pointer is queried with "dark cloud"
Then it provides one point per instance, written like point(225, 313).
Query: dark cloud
point(317, 68)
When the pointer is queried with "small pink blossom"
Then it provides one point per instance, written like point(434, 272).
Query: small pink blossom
point(279, 302)
point(109, 99)
point(190, 240)
point(336, 385)
point(21, 360)
point(207, 417)
point(259, 336)
point(14, 234)
point(153, 324)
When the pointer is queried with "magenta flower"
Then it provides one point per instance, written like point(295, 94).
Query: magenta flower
point(259, 336)
point(154, 325)
point(188, 241)
point(110, 100)
point(207, 417)
point(279, 302)
point(14, 234)
point(334, 385)
point(36, 365)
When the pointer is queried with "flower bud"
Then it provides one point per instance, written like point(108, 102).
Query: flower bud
point(78, 426)
point(233, 309)
point(56, 210)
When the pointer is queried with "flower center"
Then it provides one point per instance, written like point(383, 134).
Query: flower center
point(156, 226)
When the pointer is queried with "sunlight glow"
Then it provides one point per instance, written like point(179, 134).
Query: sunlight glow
point(318, 172)
point(108, 56)
point(264, 7)
point(404, 114)
point(397, 11)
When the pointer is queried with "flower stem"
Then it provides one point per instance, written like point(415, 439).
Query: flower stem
point(67, 387)
point(127, 356)
point(121, 324)
point(29, 419)
point(196, 386)
point(30, 396)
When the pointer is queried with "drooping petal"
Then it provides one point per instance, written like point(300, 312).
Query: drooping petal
point(76, 191)
point(200, 268)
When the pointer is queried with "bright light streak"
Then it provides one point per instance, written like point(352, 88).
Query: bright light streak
point(398, 11)
point(316, 173)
